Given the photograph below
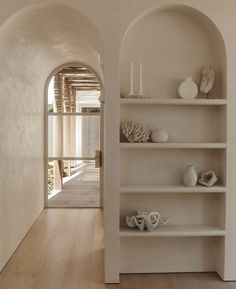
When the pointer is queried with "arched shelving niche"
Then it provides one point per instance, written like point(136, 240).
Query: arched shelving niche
point(173, 43)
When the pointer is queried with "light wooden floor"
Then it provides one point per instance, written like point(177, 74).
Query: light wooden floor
point(81, 191)
point(64, 250)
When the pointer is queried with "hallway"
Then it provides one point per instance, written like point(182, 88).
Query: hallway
point(64, 250)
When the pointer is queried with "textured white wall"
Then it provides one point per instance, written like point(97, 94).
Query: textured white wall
point(32, 43)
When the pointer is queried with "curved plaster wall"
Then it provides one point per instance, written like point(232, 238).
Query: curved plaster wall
point(33, 42)
point(172, 43)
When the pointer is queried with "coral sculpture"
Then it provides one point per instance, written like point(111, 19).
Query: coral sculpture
point(208, 78)
point(208, 178)
point(135, 132)
point(144, 220)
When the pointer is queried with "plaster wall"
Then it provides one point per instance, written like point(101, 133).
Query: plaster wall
point(33, 43)
point(24, 69)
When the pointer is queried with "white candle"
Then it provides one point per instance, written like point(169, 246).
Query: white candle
point(131, 91)
point(141, 79)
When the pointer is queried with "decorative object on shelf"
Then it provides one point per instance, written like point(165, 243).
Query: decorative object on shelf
point(190, 177)
point(145, 220)
point(159, 135)
point(131, 93)
point(131, 90)
point(140, 92)
point(208, 78)
point(208, 178)
point(135, 132)
point(188, 89)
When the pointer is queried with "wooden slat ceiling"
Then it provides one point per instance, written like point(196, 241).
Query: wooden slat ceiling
point(67, 81)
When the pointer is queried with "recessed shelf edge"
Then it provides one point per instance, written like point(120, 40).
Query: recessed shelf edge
point(172, 101)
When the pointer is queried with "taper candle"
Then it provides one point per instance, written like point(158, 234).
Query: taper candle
point(131, 91)
point(141, 93)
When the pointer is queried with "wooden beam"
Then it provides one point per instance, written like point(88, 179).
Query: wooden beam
point(70, 74)
point(86, 88)
point(82, 80)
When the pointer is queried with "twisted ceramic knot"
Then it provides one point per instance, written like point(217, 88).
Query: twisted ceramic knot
point(144, 220)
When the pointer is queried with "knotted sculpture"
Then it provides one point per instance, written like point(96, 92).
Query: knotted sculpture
point(145, 220)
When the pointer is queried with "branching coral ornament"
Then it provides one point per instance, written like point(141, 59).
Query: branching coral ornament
point(135, 132)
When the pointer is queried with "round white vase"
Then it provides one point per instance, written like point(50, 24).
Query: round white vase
point(159, 135)
point(190, 177)
point(188, 89)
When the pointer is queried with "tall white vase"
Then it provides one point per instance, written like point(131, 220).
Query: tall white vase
point(190, 177)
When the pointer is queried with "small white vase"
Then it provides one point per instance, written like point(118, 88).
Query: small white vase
point(190, 177)
point(159, 135)
point(188, 89)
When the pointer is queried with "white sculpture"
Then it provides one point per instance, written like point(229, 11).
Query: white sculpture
point(208, 178)
point(159, 135)
point(135, 132)
point(208, 78)
point(144, 220)
point(187, 89)
point(190, 177)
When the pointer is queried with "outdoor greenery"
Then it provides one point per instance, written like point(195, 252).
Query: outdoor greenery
point(50, 178)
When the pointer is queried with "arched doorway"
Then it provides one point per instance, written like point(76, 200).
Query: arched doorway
point(34, 41)
point(74, 130)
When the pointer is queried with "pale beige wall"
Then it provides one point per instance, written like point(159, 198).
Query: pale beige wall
point(111, 18)
point(32, 43)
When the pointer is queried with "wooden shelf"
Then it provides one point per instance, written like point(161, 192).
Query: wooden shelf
point(171, 101)
point(145, 189)
point(173, 145)
point(175, 231)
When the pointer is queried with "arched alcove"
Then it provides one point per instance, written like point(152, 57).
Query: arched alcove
point(33, 42)
point(173, 43)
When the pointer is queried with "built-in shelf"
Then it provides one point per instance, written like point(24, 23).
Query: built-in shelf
point(151, 173)
point(171, 101)
point(174, 145)
point(141, 189)
point(175, 231)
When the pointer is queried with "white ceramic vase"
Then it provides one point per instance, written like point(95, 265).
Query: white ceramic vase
point(159, 135)
point(188, 89)
point(190, 177)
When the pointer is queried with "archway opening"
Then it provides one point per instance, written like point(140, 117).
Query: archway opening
point(74, 126)
point(33, 42)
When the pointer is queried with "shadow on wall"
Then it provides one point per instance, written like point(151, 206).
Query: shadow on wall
point(33, 42)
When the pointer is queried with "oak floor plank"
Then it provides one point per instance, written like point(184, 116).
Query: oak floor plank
point(64, 250)
point(55, 265)
point(97, 265)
